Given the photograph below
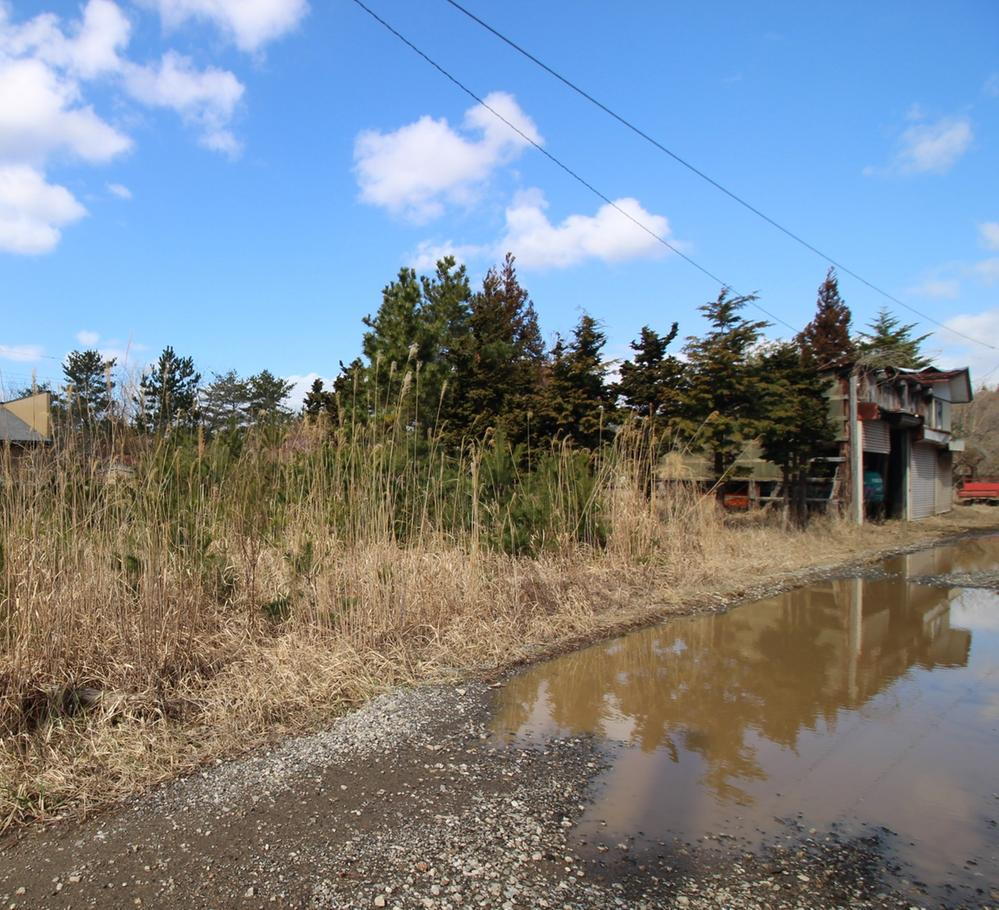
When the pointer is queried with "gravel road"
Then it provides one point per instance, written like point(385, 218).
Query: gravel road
point(410, 802)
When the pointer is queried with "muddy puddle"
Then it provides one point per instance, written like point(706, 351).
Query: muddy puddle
point(853, 705)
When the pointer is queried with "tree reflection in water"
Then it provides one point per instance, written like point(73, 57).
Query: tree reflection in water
point(718, 686)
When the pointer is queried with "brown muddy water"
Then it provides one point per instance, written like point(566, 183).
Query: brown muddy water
point(853, 704)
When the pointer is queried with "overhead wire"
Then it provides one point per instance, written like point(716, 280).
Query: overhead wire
point(558, 162)
point(716, 184)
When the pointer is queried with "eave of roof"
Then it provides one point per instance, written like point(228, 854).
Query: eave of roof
point(959, 381)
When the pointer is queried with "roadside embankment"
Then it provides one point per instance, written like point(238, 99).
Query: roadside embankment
point(450, 617)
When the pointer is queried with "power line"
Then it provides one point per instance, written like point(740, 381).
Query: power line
point(603, 196)
point(734, 196)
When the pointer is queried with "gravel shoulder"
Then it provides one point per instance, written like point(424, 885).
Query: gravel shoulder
point(410, 802)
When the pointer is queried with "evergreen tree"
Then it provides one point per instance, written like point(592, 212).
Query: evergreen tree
point(89, 388)
point(265, 398)
point(890, 344)
point(168, 393)
point(351, 390)
point(414, 334)
point(720, 407)
point(826, 341)
point(650, 383)
point(223, 402)
point(390, 344)
point(795, 427)
point(577, 401)
point(320, 401)
point(498, 360)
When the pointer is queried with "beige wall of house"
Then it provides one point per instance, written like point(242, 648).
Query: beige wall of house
point(35, 411)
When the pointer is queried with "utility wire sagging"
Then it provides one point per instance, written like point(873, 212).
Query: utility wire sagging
point(558, 162)
point(734, 196)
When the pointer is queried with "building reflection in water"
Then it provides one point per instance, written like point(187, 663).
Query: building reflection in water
point(845, 698)
point(713, 685)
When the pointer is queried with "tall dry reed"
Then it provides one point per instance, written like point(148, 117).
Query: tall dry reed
point(168, 600)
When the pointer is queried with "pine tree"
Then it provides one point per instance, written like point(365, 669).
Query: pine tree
point(577, 402)
point(352, 393)
point(320, 402)
point(890, 344)
point(168, 393)
point(650, 382)
point(498, 361)
point(826, 341)
point(410, 344)
point(223, 402)
point(390, 344)
point(266, 394)
point(89, 388)
point(795, 427)
point(720, 407)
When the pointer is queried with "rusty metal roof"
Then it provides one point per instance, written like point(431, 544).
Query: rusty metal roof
point(959, 381)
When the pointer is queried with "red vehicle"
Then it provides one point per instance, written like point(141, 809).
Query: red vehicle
point(979, 491)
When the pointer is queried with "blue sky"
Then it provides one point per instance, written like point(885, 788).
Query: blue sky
point(240, 178)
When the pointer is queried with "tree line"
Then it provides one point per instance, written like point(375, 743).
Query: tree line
point(441, 357)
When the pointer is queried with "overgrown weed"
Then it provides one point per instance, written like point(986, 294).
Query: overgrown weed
point(168, 600)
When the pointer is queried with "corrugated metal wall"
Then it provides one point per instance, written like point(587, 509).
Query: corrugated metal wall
point(922, 480)
point(945, 481)
point(876, 438)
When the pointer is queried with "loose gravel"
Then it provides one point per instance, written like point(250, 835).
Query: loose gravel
point(411, 802)
point(988, 580)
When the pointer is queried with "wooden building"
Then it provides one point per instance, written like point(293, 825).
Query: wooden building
point(26, 421)
point(896, 425)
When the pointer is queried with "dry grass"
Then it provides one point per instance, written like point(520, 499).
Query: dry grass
point(222, 595)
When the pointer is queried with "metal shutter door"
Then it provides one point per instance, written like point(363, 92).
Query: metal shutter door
point(876, 437)
point(922, 480)
point(945, 481)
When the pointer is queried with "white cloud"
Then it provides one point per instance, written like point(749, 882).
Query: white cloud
point(119, 351)
point(21, 353)
point(206, 98)
point(608, 235)
point(47, 66)
point(427, 253)
point(989, 232)
point(109, 348)
point(249, 23)
point(956, 353)
point(32, 211)
point(417, 169)
point(119, 190)
point(40, 114)
point(94, 49)
point(300, 388)
point(930, 147)
point(988, 270)
point(941, 288)
point(90, 50)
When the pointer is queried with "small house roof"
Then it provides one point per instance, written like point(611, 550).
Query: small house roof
point(959, 381)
